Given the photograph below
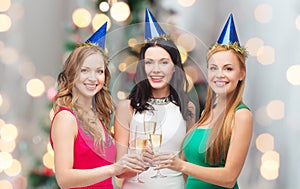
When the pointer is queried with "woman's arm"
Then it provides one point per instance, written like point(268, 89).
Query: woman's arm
point(122, 132)
point(64, 131)
point(237, 153)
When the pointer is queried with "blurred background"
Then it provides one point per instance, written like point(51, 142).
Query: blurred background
point(37, 36)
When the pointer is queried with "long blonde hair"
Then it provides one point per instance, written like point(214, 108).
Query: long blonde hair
point(219, 138)
point(103, 104)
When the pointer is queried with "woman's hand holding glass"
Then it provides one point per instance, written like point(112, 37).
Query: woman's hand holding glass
point(130, 163)
point(168, 160)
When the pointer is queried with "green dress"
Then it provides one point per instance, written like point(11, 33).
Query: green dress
point(194, 148)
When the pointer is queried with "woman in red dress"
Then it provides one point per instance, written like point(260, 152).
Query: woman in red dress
point(84, 150)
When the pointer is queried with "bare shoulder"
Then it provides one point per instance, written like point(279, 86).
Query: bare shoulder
point(243, 114)
point(123, 112)
point(64, 120)
point(244, 118)
point(123, 104)
point(65, 115)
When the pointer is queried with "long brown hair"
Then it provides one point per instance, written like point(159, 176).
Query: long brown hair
point(103, 104)
point(219, 138)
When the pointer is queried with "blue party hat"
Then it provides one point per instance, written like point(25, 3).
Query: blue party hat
point(229, 38)
point(98, 38)
point(152, 28)
point(228, 34)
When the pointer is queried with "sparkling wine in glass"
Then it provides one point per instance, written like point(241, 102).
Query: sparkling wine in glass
point(156, 140)
point(149, 127)
point(150, 120)
point(140, 143)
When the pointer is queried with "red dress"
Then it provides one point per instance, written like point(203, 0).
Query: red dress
point(87, 157)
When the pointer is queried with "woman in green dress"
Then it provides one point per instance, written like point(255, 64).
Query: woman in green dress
point(215, 149)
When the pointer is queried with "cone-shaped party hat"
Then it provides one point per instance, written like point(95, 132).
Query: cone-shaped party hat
point(229, 38)
point(152, 28)
point(98, 38)
point(228, 34)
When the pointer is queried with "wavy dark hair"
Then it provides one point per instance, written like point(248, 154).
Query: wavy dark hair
point(142, 91)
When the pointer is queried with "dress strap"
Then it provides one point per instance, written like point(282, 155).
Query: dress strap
point(241, 106)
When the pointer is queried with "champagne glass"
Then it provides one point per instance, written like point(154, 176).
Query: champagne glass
point(150, 120)
point(156, 140)
point(140, 142)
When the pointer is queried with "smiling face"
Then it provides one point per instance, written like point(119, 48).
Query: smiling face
point(91, 76)
point(224, 72)
point(159, 69)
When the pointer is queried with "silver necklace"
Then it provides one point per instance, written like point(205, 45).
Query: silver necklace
point(159, 101)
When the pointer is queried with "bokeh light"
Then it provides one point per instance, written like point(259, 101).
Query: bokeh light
point(262, 117)
point(7, 146)
point(4, 5)
point(5, 104)
point(263, 13)
point(266, 55)
point(51, 93)
point(292, 75)
point(186, 41)
point(183, 53)
point(186, 3)
point(271, 156)
point(275, 109)
point(253, 45)
point(6, 184)
point(27, 69)
point(35, 87)
point(270, 163)
point(9, 132)
point(49, 81)
point(269, 171)
point(5, 23)
point(1, 100)
point(49, 149)
point(17, 11)
point(121, 95)
point(81, 17)
point(9, 55)
point(2, 123)
point(104, 6)
point(14, 169)
point(99, 20)
point(120, 11)
point(5, 160)
point(122, 67)
point(132, 42)
point(131, 64)
point(297, 22)
point(48, 160)
point(265, 142)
